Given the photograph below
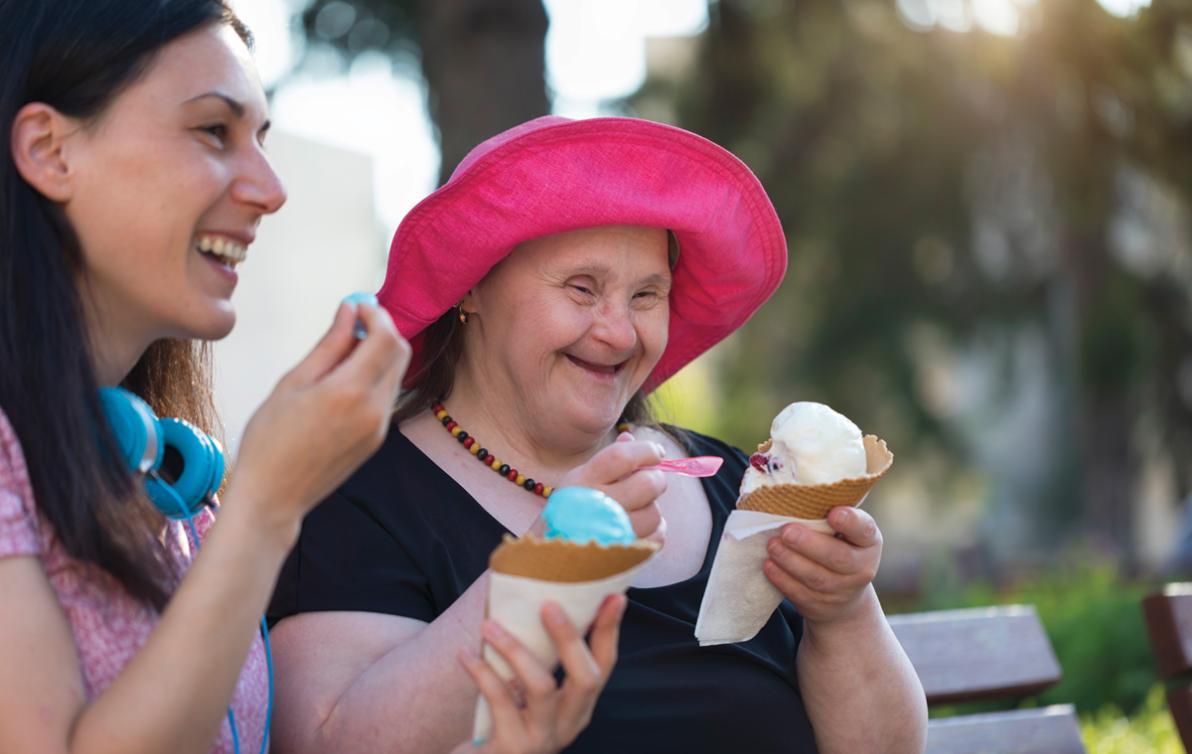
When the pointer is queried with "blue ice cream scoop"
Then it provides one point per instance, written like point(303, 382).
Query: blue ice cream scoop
point(582, 514)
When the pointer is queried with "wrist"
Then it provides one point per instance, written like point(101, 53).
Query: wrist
point(856, 621)
point(273, 529)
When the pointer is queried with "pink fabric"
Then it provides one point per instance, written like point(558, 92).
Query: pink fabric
point(552, 175)
point(108, 625)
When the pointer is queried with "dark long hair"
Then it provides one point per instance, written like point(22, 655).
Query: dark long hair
point(77, 56)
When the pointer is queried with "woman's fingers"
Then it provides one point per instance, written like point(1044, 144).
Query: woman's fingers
point(616, 462)
point(646, 521)
point(805, 570)
point(548, 717)
point(331, 349)
point(506, 715)
point(638, 490)
point(834, 554)
point(380, 356)
point(582, 671)
point(606, 631)
point(536, 681)
point(855, 525)
point(587, 668)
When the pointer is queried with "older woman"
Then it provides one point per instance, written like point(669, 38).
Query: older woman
point(566, 269)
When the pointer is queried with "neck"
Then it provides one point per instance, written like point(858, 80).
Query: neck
point(115, 346)
point(515, 432)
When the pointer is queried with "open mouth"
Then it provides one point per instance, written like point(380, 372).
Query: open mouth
point(601, 369)
point(222, 249)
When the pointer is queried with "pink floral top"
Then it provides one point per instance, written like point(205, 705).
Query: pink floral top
point(108, 625)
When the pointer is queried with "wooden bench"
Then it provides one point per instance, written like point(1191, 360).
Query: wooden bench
point(1169, 625)
point(988, 653)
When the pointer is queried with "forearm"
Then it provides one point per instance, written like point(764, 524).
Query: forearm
point(416, 697)
point(174, 693)
point(860, 690)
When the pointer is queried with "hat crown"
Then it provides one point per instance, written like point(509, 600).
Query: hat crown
point(493, 143)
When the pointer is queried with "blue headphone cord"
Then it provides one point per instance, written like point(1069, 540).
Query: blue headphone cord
point(264, 635)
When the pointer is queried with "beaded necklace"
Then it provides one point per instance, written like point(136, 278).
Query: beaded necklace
point(488, 459)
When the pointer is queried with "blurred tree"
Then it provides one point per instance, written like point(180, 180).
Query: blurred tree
point(483, 60)
point(944, 190)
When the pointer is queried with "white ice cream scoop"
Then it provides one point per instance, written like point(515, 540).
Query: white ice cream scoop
point(809, 444)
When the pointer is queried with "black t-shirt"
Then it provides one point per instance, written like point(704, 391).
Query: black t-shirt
point(401, 537)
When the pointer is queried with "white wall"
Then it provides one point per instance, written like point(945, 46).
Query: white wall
point(323, 244)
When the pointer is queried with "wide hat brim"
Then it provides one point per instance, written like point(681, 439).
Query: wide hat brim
point(552, 175)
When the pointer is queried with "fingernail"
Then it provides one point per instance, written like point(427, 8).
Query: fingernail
point(624, 437)
point(661, 450)
point(360, 297)
point(354, 299)
point(554, 614)
point(792, 534)
point(492, 630)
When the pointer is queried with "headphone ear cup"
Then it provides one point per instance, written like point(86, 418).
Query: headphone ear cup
point(192, 467)
point(134, 427)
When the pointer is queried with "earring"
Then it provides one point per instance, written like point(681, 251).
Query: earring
point(463, 316)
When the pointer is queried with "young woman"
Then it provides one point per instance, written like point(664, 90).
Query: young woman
point(132, 181)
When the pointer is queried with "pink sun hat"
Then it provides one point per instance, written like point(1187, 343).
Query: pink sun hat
point(554, 174)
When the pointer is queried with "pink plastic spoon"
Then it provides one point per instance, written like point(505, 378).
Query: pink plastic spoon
point(697, 466)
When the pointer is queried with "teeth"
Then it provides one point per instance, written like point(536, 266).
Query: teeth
point(225, 248)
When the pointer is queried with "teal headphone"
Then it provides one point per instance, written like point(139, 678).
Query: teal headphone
point(183, 466)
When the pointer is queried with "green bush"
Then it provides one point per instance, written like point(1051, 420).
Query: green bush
point(1149, 731)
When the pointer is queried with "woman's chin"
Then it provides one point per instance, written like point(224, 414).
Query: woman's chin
point(215, 326)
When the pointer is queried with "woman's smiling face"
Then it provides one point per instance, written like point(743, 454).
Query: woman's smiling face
point(169, 184)
point(572, 324)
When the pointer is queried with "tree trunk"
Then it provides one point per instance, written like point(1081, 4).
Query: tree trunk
point(485, 68)
point(1106, 410)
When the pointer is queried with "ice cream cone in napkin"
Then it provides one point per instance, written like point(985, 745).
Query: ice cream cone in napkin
point(739, 599)
point(527, 571)
point(813, 501)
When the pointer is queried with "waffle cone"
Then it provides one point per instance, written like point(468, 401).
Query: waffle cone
point(813, 501)
point(562, 561)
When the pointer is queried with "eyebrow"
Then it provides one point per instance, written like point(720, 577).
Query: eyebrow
point(234, 105)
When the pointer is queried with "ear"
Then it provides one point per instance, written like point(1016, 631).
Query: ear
point(469, 304)
point(39, 150)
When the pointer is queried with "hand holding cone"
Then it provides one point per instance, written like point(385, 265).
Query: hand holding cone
point(739, 599)
point(527, 571)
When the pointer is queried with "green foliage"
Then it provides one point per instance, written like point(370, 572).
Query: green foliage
point(1149, 731)
point(956, 190)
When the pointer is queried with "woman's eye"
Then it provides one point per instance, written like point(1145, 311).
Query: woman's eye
point(582, 289)
point(218, 131)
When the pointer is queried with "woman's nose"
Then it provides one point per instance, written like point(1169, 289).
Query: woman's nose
point(259, 185)
point(614, 326)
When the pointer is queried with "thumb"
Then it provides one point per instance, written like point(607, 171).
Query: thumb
point(331, 349)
